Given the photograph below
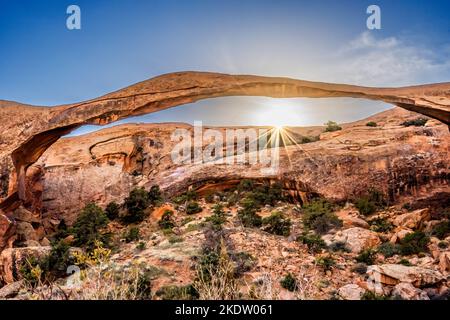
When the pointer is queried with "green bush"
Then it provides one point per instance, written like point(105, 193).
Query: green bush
point(245, 185)
point(370, 203)
point(52, 266)
point(136, 203)
point(277, 224)
point(380, 225)
point(367, 256)
point(314, 242)
point(218, 217)
point(112, 211)
point(247, 214)
point(371, 124)
point(441, 230)
point(166, 222)
point(388, 249)
point(243, 261)
point(306, 139)
point(318, 216)
point(193, 207)
point(419, 122)
point(360, 268)
point(414, 243)
point(190, 195)
point(173, 292)
point(369, 295)
point(154, 195)
point(339, 246)
point(289, 282)
point(88, 228)
point(141, 246)
point(332, 126)
point(326, 262)
point(405, 262)
point(132, 235)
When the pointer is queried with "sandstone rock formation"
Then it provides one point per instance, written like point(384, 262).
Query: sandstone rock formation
point(30, 130)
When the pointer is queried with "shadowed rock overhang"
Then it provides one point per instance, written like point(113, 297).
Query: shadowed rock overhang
point(27, 131)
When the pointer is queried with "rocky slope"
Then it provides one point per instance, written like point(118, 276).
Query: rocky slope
point(104, 166)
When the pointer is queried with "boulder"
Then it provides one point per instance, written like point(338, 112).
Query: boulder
point(356, 239)
point(413, 220)
point(22, 214)
point(406, 291)
point(399, 234)
point(25, 231)
point(10, 290)
point(444, 262)
point(351, 218)
point(12, 259)
point(351, 292)
point(7, 230)
point(393, 274)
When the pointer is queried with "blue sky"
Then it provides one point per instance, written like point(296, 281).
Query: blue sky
point(123, 42)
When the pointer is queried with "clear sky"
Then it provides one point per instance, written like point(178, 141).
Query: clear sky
point(123, 42)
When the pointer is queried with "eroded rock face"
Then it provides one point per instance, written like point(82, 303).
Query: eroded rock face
point(11, 260)
point(7, 230)
point(392, 274)
point(104, 166)
point(31, 130)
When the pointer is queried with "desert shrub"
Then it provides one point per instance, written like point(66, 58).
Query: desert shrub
point(306, 139)
point(193, 207)
point(325, 262)
point(141, 246)
point(419, 122)
point(289, 282)
point(380, 225)
point(136, 204)
point(332, 126)
point(247, 214)
point(443, 245)
point(365, 206)
point(405, 262)
point(360, 268)
point(175, 239)
point(268, 194)
point(209, 198)
point(314, 242)
point(318, 216)
point(61, 231)
point(218, 217)
point(154, 195)
point(441, 230)
point(190, 195)
point(245, 185)
point(370, 203)
point(243, 261)
point(371, 124)
point(49, 268)
point(339, 246)
point(414, 243)
point(187, 292)
point(132, 235)
point(388, 249)
point(369, 295)
point(166, 222)
point(215, 278)
point(112, 211)
point(277, 224)
point(88, 228)
point(367, 256)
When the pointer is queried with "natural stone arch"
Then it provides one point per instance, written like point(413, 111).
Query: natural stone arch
point(27, 131)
